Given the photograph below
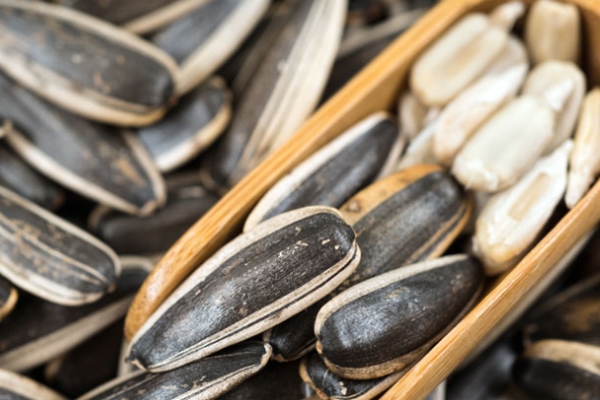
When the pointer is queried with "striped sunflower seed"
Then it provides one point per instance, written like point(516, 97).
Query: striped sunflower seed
point(206, 379)
point(84, 65)
point(511, 220)
point(584, 163)
point(411, 114)
point(39, 331)
point(203, 39)
point(47, 256)
point(559, 370)
point(384, 324)
point(411, 216)
point(330, 386)
point(283, 92)
point(94, 160)
point(138, 16)
point(553, 31)
point(335, 173)
point(87, 366)
point(263, 277)
point(275, 381)
point(462, 54)
point(465, 114)
point(550, 73)
point(18, 387)
point(187, 202)
point(510, 143)
point(18, 176)
point(189, 128)
point(571, 315)
point(8, 298)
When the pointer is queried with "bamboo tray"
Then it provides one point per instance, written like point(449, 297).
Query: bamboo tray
point(377, 88)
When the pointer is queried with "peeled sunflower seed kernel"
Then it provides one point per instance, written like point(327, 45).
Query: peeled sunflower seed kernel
point(513, 54)
point(187, 201)
point(84, 65)
point(39, 331)
point(584, 163)
point(206, 379)
point(336, 172)
point(203, 39)
point(109, 166)
point(47, 256)
point(411, 114)
point(8, 298)
point(512, 219)
point(384, 324)
point(421, 148)
point(18, 387)
point(18, 176)
point(330, 386)
point(559, 370)
point(285, 89)
point(410, 216)
point(264, 277)
point(461, 54)
point(510, 143)
point(571, 315)
point(190, 127)
point(465, 114)
point(553, 31)
point(551, 73)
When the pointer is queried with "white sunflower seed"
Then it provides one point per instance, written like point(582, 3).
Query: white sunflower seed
point(420, 149)
point(411, 114)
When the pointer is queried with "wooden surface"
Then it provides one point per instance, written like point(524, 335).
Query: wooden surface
point(377, 88)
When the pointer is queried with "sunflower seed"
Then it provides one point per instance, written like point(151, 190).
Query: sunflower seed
point(330, 386)
point(39, 331)
point(263, 277)
point(19, 177)
point(465, 114)
point(410, 216)
point(275, 381)
point(189, 128)
point(557, 369)
point(49, 257)
point(8, 298)
point(510, 143)
point(462, 54)
point(571, 315)
point(382, 325)
point(512, 220)
point(94, 160)
point(206, 379)
point(285, 89)
point(85, 65)
point(411, 114)
point(420, 149)
point(202, 40)
point(513, 54)
point(187, 202)
point(335, 173)
point(550, 73)
point(18, 387)
point(553, 31)
point(88, 365)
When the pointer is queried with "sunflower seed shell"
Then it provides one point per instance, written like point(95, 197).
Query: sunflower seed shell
point(335, 173)
point(38, 331)
point(384, 324)
point(83, 64)
point(18, 387)
point(206, 379)
point(8, 298)
point(264, 276)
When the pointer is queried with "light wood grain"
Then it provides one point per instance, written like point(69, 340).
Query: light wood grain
point(374, 89)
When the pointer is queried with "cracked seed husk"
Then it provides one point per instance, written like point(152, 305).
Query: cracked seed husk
point(552, 73)
point(553, 32)
point(264, 277)
point(512, 219)
point(18, 387)
point(584, 163)
point(384, 324)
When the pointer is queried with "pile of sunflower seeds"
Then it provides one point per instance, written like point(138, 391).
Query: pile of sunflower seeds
point(110, 109)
